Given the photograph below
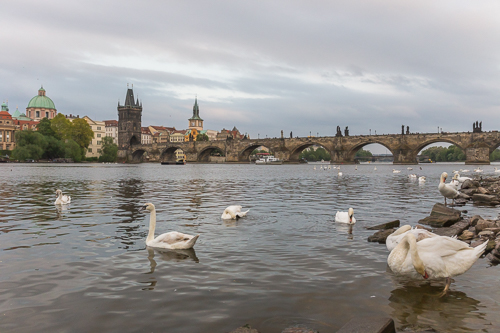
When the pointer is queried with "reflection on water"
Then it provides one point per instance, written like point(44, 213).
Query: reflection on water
point(287, 263)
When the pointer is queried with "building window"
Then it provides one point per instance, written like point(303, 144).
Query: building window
point(1, 137)
point(98, 128)
point(98, 143)
point(98, 150)
point(90, 150)
point(99, 135)
point(38, 114)
point(46, 114)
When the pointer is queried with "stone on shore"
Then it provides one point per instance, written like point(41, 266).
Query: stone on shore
point(245, 329)
point(380, 236)
point(442, 216)
point(383, 226)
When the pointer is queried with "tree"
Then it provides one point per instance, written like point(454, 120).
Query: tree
point(45, 127)
point(109, 150)
point(495, 155)
point(82, 133)
point(30, 145)
point(442, 154)
point(55, 148)
point(61, 126)
point(363, 153)
point(73, 150)
point(202, 137)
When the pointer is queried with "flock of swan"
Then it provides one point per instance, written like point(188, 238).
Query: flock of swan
point(415, 253)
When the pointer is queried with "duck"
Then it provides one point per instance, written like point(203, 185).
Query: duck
point(169, 240)
point(345, 217)
point(62, 199)
point(448, 191)
point(433, 258)
point(233, 212)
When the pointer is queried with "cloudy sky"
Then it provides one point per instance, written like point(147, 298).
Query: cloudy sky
point(262, 66)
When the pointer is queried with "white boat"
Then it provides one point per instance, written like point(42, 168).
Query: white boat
point(270, 159)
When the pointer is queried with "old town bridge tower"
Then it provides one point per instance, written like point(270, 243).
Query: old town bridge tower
point(129, 121)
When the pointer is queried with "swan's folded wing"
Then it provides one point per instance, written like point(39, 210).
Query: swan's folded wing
point(443, 246)
point(172, 237)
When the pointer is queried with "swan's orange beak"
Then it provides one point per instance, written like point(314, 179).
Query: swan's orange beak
point(426, 276)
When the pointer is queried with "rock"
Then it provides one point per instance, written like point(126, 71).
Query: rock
point(469, 191)
point(474, 219)
point(483, 198)
point(482, 190)
point(494, 260)
point(491, 246)
point(483, 224)
point(442, 216)
point(454, 230)
point(422, 227)
point(245, 329)
point(495, 230)
point(466, 235)
point(380, 236)
point(486, 234)
point(383, 226)
point(470, 184)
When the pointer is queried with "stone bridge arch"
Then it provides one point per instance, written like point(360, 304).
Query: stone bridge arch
point(204, 154)
point(295, 151)
point(137, 155)
point(353, 150)
point(244, 154)
point(168, 154)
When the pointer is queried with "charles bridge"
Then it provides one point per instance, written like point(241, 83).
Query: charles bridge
point(404, 147)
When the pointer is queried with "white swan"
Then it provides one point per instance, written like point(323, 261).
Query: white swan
point(478, 170)
point(409, 168)
point(62, 199)
point(412, 176)
point(421, 179)
point(454, 182)
point(233, 212)
point(375, 169)
point(395, 238)
point(448, 191)
point(169, 240)
point(396, 171)
point(461, 179)
point(433, 258)
point(466, 170)
point(345, 217)
point(497, 170)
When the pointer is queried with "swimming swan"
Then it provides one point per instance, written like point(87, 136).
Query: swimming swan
point(62, 199)
point(233, 212)
point(169, 240)
point(345, 217)
point(448, 191)
point(433, 258)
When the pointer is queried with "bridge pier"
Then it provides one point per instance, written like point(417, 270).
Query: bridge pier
point(480, 155)
point(339, 156)
point(404, 156)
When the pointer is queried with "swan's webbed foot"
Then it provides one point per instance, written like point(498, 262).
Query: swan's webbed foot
point(446, 287)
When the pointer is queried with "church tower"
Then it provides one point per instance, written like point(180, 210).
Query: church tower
point(195, 122)
point(129, 121)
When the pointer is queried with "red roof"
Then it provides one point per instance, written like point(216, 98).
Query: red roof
point(111, 123)
point(5, 115)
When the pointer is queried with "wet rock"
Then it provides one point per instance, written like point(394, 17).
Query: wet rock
point(383, 226)
point(483, 224)
point(422, 227)
point(487, 234)
point(470, 184)
point(380, 236)
point(466, 235)
point(493, 259)
point(454, 230)
point(495, 230)
point(475, 219)
point(441, 216)
point(245, 329)
point(483, 198)
point(469, 191)
point(482, 190)
point(491, 246)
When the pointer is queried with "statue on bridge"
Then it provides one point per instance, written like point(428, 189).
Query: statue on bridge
point(407, 129)
point(291, 134)
point(339, 132)
point(477, 127)
point(346, 131)
point(402, 129)
point(282, 134)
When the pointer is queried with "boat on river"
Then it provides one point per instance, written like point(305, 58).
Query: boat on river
point(269, 159)
point(179, 162)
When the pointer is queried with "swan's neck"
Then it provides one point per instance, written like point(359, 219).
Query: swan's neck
point(415, 257)
point(152, 226)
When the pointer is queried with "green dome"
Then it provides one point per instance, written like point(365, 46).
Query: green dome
point(41, 101)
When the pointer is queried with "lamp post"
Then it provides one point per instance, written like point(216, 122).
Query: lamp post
point(258, 135)
point(370, 131)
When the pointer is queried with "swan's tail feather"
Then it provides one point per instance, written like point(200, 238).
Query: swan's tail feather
point(241, 214)
point(192, 241)
point(479, 250)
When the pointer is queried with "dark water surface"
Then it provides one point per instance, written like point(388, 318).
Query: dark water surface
point(85, 267)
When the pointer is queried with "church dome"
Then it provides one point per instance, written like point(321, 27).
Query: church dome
point(41, 101)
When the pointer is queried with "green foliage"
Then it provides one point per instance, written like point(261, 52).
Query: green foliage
point(61, 126)
point(495, 155)
point(315, 155)
point(202, 137)
point(55, 148)
point(442, 154)
point(82, 133)
point(29, 145)
point(73, 150)
point(44, 127)
point(109, 150)
point(363, 153)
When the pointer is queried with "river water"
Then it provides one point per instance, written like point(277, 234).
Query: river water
point(85, 267)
